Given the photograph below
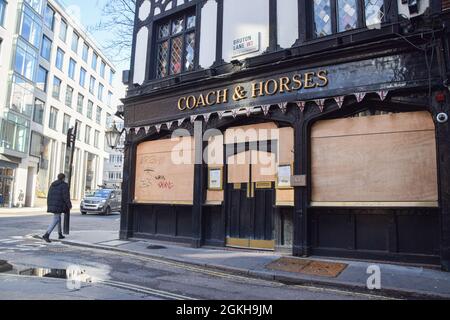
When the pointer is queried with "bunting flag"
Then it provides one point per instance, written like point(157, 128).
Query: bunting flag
point(301, 105)
point(266, 108)
point(248, 111)
point(147, 129)
point(169, 125)
point(206, 117)
point(158, 128)
point(220, 114)
point(360, 96)
point(339, 101)
point(383, 94)
point(127, 130)
point(321, 104)
point(283, 106)
point(234, 113)
point(193, 118)
point(180, 121)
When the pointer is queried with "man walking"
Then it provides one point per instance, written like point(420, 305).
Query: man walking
point(58, 202)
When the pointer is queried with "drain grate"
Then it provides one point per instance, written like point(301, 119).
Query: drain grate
point(156, 247)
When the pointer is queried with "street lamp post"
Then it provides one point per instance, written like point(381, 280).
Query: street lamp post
point(70, 145)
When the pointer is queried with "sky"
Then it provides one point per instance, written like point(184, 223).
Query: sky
point(89, 12)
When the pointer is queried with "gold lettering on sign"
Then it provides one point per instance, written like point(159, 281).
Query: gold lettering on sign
point(270, 87)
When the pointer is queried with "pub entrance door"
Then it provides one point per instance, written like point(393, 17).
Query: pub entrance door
point(251, 199)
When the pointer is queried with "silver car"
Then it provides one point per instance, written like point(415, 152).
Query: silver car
point(102, 201)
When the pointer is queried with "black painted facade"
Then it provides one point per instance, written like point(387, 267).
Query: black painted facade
point(413, 66)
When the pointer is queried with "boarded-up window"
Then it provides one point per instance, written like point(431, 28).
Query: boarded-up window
point(387, 160)
point(165, 172)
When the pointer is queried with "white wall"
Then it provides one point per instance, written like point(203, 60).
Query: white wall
point(287, 16)
point(208, 32)
point(140, 57)
point(242, 18)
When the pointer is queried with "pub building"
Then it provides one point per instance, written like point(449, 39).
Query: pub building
point(346, 101)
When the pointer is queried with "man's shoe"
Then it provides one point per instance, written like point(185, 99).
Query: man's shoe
point(61, 237)
point(46, 237)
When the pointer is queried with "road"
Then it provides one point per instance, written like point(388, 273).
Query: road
point(121, 276)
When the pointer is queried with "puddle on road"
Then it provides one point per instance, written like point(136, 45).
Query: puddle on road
point(71, 273)
point(156, 247)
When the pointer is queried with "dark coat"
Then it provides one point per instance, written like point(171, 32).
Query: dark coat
point(58, 199)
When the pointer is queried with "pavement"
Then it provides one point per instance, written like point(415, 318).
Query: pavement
point(402, 281)
point(28, 212)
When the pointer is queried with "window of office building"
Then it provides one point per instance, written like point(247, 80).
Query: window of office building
point(80, 103)
point(109, 101)
point(96, 138)
point(90, 108)
point(22, 96)
point(69, 96)
point(36, 144)
point(102, 69)
point(3, 4)
point(85, 54)
point(63, 30)
point(36, 5)
point(98, 115)
point(56, 92)
point(94, 61)
point(14, 133)
point(111, 77)
point(87, 135)
point(41, 79)
point(78, 122)
point(59, 62)
point(71, 71)
point(66, 123)
point(30, 26)
point(175, 45)
point(39, 109)
point(92, 85)
point(75, 40)
point(100, 92)
point(49, 17)
point(53, 118)
point(26, 60)
point(108, 121)
point(46, 48)
point(82, 81)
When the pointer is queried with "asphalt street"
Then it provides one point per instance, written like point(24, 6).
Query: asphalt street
point(120, 276)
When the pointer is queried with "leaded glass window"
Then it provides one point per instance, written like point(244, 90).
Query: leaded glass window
point(374, 10)
point(175, 47)
point(322, 17)
point(347, 15)
point(332, 16)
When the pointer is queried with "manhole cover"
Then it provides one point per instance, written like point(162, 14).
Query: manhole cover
point(155, 247)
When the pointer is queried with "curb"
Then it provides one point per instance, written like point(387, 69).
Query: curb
point(284, 279)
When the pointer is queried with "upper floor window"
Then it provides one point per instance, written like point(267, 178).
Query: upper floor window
point(49, 17)
point(30, 27)
point(85, 52)
point(46, 48)
point(63, 30)
point(102, 69)
point(94, 61)
point(82, 77)
point(175, 45)
point(36, 5)
point(2, 11)
point(59, 59)
point(332, 16)
point(75, 39)
point(26, 60)
point(41, 79)
point(71, 71)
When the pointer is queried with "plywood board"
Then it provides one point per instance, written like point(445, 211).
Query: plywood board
point(160, 176)
point(264, 166)
point(284, 197)
point(286, 146)
point(239, 168)
point(390, 123)
point(251, 133)
point(368, 165)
